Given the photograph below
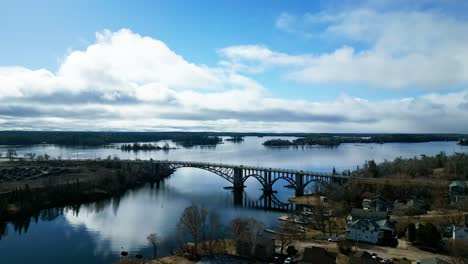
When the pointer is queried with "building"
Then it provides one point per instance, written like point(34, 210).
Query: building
point(461, 233)
point(357, 213)
point(458, 191)
point(378, 204)
point(380, 232)
point(457, 188)
point(318, 255)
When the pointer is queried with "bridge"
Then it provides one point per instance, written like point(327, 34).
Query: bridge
point(238, 174)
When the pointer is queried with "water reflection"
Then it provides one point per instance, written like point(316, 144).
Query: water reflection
point(94, 233)
point(126, 220)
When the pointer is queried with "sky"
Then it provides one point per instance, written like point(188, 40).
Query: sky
point(388, 66)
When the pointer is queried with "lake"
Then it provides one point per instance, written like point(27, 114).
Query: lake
point(95, 233)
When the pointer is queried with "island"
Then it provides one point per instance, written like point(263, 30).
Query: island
point(335, 140)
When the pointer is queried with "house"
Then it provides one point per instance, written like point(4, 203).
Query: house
point(318, 255)
point(357, 213)
point(264, 249)
point(380, 232)
point(418, 204)
point(457, 188)
point(461, 233)
point(378, 204)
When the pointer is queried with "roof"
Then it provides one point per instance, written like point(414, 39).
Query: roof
point(364, 223)
point(386, 225)
point(358, 213)
point(457, 184)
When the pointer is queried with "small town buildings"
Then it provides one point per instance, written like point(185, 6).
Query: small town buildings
point(318, 255)
point(380, 232)
point(377, 204)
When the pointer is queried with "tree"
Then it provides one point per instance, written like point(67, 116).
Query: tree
point(320, 217)
point(248, 230)
point(411, 232)
point(428, 235)
point(192, 222)
point(30, 156)
point(153, 239)
point(372, 168)
point(214, 229)
point(253, 233)
point(286, 234)
point(11, 154)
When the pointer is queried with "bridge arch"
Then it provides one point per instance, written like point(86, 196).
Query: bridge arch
point(316, 180)
point(288, 179)
point(257, 176)
point(225, 173)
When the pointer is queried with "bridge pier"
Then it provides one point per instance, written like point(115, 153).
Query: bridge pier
point(268, 186)
point(299, 184)
point(238, 198)
point(238, 179)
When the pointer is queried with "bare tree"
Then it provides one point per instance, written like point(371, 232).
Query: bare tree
point(248, 230)
point(11, 154)
point(193, 223)
point(320, 217)
point(153, 239)
point(286, 234)
point(30, 156)
point(214, 229)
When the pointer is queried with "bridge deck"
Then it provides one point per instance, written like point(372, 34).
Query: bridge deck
point(278, 170)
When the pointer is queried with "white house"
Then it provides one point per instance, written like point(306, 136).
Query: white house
point(461, 233)
point(371, 231)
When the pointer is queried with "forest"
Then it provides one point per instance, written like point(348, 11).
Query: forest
point(335, 140)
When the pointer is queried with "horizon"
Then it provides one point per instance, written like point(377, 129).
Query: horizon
point(334, 67)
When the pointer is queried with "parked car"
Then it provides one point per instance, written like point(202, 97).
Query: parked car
point(335, 239)
point(289, 260)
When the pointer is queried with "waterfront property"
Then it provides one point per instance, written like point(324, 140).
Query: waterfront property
point(371, 231)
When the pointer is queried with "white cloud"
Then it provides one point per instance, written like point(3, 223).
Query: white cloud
point(128, 82)
point(382, 49)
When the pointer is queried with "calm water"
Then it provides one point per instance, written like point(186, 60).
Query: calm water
point(96, 232)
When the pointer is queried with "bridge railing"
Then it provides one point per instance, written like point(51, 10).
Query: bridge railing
point(211, 164)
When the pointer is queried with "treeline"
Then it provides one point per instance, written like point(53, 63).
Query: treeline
point(144, 147)
point(448, 167)
point(120, 177)
point(235, 139)
point(463, 142)
point(103, 138)
point(332, 140)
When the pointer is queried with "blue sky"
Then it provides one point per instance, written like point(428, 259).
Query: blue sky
point(317, 65)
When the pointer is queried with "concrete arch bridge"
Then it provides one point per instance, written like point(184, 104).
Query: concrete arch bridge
point(238, 174)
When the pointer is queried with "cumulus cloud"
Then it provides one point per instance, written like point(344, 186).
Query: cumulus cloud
point(125, 81)
point(393, 49)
